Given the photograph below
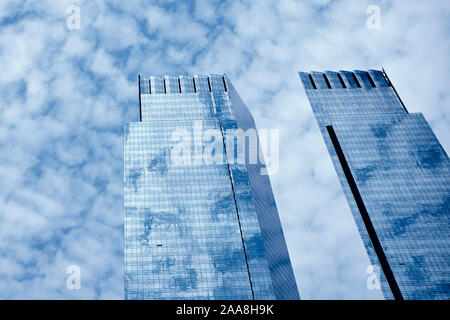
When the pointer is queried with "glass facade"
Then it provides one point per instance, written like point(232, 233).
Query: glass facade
point(193, 226)
point(395, 176)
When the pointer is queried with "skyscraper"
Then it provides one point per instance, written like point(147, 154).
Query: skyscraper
point(395, 176)
point(199, 222)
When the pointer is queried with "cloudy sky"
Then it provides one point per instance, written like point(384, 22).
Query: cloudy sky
point(65, 94)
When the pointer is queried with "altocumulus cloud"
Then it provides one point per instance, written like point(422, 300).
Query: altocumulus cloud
point(66, 93)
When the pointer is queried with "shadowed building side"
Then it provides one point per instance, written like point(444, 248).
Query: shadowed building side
point(280, 266)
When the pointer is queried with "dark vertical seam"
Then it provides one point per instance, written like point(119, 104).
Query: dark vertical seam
point(209, 85)
point(235, 204)
point(326, 80)
point(356, 80)
point(341, 80)
point(149, 85)
point(179, 84)
point(164, 82)
point(237, 213)
point(312, 81)
point(371, 80)
point(140, 105)
point(224, 84)
point(195, 87)
point(365, 216)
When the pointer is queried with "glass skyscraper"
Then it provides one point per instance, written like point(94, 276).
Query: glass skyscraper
point(200, 223)
point(395, 176)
